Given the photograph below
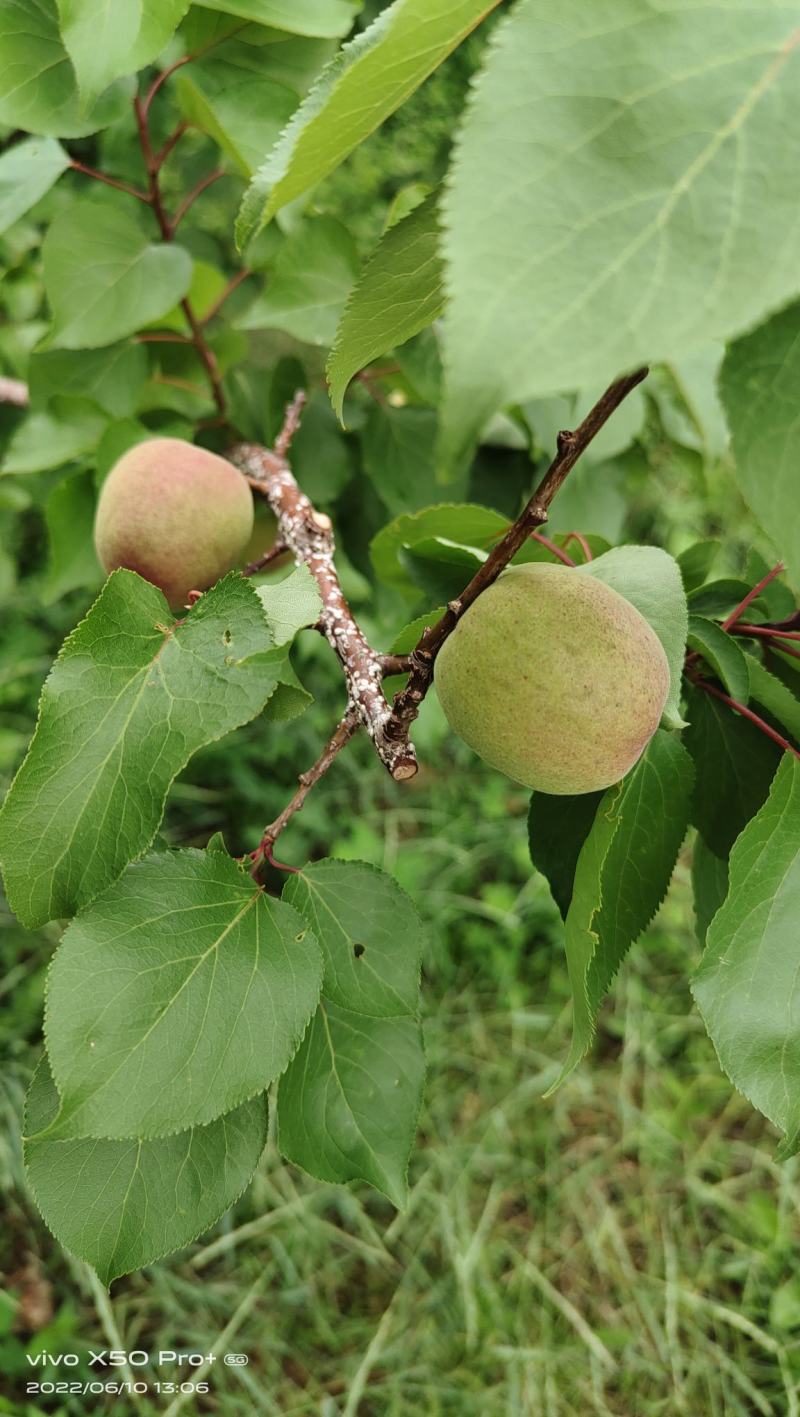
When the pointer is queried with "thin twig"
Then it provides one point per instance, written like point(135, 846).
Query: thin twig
point(163, 337)
point(109, 181)
point(752, 595)
point(570, 447)
point(746, 712)
point(551, 546)
point(174, 137)
point(265, 559)
point(767, 632)
point(162, 79)
point(233, 284)
point(582, 542)
point(309, 536)
point(307, 780)
point(192, 196)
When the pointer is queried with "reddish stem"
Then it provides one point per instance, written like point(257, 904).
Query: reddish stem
point(109, 181)
point(163, 337)
point(582, 542)
point(174, 137)
point(745, 712)
point(233, 284)
point(551, 546)
point(162, 79)
point(766, 632)
point(192, 196)
point(266, 559)
point(753, 595)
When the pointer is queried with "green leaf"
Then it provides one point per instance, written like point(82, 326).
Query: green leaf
point(228, 96)
point(710, 885)
point(367, 80)
point(349, 1101)
point(310, 281)
point(112, 377)
point(557, 830)
point(622, 874)
point(180, 992)
point(138, 1200)
point(696, 562)
point(657, 168)
point(461, 522)
point(38, 89)
point(734, 765)
point(69, 514)
point(105, 41)
point(721, 652)
point(399, 292)
point(718, 598)
point(398, 450)
point(291, 605)
point(71, 428)
point(440, 567)
point(758, 384)
point(27, 171)
point(132, 695)
point(327, 19)
point(104, 279)
point(409, 636)
point(775, 697)
point(746, 983)
point(650, 579)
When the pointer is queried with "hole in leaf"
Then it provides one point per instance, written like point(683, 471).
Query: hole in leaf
point(300, 937)
point(227, 637)
point(358, 950)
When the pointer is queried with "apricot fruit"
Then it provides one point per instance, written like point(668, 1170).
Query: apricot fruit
point(553, 678)
point(178, 515)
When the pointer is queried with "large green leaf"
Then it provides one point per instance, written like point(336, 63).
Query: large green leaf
point(327, 19)
point(615, 194)
point(746, 985)
point(27, 171)
point(54, 436)
point(709, 884)
point(104, 279)
point(105, 41)
point(651, 580)
point(291, 604)
point(132, 696)
point(557, 830)
point(734, 766)
point(112, 377)
point(72, 559)
point(349, 1101)
point(366, 81)
point(775, 696)
point(229, 96)
point(463, 523)
point(758, 383)
point(622, 874)
point(721, 652)
point(399, 292)
point(122, 1204)
point(309, 283)
point(180, 992)
point(398, 452)
point(38, 88)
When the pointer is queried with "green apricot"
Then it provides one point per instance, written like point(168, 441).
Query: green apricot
point(553, 678)
point(177, 514)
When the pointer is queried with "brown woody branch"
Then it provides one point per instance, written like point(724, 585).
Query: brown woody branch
point(308, 534)
point(571, 444)
point(263, 852)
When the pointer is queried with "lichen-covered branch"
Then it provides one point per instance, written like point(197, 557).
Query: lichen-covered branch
point(308, 534)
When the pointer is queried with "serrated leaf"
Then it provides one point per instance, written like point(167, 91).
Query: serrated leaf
point(27, 171)
point(138, 1200)
point(112, 377)
point(721, 652)
point(309, 283)
point(641, 230)
point(69, 515)
point(775, 697)
point(462, 522)
point(180, 992)
point(622, 874)
point(366, 81)
point(133, 282)
point(709, 884)
point(696, 562)
point(758, 385)
point(650, 579)
point(349, 1101)
point(132, 695)
point(734, 766)
point(327, 19)
point(746, 985)
point(557, 830)
point(399, 292)
point(106, 41)
point(51, 437)
point(291, 604)
point(38, 87)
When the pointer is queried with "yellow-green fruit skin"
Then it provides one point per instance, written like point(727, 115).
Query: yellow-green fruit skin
point(178, 515)
point(554, 678)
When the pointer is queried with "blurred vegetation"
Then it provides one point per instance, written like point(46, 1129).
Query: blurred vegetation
point(628, 1246)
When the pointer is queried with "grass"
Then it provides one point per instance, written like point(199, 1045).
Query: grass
point(627, 1246)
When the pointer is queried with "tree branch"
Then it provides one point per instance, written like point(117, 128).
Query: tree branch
point(308, 534)
point(306, 781)
point(571, 444)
